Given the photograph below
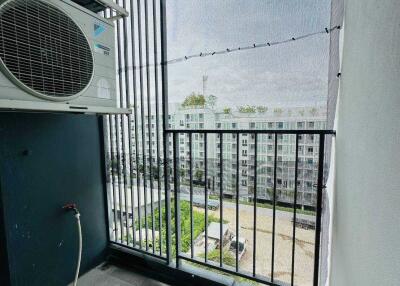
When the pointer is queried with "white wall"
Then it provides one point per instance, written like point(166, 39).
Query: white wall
point(366, 226)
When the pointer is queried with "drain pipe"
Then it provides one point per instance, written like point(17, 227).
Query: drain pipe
point(73, 207)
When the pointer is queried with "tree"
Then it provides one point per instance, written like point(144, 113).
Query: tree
point(211, 100)
point(270, 193)
point(155, 172)
point(247, 109)
point(194, 100)
point(198, 174)
point(182, 172)
point(262, 109)
point(227, 110)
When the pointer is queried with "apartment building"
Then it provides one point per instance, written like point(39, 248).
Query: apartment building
point(249, 118)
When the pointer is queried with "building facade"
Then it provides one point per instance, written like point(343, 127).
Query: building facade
point(234, 150)
point(271, 118)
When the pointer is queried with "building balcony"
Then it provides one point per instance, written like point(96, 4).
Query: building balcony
point(92, 197)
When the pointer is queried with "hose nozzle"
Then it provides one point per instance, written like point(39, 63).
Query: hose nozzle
point(71, 207)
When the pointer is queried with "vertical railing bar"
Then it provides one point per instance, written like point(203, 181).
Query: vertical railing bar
point(146, 21)
point(118, 119)
point(114, 158)
point(164, 84)
point(221, 199)
point(255, 206)
point(129, 148)
point(157, 122)
point(274, 208)
point(295, 207)
point(133, 40)
point(107, 134)
point(122, 122)
point(320, 187)
point(237, 201)
point(142, 122)
point(205, 200)
point(112, 175)
point(191, 194)
point(176, 200)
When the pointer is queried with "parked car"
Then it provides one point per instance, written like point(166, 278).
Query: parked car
point(242, 246)
point(199, 201)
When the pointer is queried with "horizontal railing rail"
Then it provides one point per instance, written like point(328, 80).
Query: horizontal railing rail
point(253, 131)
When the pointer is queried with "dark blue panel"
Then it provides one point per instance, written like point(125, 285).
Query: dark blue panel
point(47, 160)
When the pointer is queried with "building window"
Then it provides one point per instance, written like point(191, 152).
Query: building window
point(279, 125)
point(311, 125)
point(300, 125)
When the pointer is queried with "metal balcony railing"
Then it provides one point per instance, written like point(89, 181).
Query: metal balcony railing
point(148, 219)
point(291, 200)
point(182, 204)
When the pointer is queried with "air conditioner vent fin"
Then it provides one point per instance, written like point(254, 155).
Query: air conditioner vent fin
point(43, 49)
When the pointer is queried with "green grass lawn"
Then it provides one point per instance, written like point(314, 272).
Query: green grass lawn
point(198, 225)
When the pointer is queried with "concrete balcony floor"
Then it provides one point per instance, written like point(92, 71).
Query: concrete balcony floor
point(110, 275)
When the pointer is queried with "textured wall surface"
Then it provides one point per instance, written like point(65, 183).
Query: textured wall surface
point(47, 160)
point(366, 232)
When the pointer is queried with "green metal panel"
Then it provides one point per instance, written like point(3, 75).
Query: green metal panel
point(47, 160)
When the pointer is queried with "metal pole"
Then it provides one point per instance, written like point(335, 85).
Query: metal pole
point(295, 206)
point(320, 187)
point(177, 200)
point(274, 209)
point(164, 76)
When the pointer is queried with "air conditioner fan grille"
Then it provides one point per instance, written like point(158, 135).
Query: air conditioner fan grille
point(44, 49)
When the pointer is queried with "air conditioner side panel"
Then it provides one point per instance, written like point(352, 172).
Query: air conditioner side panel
point(101, 38)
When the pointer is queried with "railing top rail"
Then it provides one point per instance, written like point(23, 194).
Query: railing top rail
point(253, 131)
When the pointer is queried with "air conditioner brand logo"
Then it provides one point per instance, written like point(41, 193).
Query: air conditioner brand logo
point(98, 29)
point(101, 49)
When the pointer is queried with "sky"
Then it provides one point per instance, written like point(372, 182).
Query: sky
point(295, 73)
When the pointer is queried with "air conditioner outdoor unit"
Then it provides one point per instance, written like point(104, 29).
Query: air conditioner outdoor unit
point(56, 56)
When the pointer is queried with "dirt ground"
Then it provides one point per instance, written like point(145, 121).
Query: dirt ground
point(304, 247)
